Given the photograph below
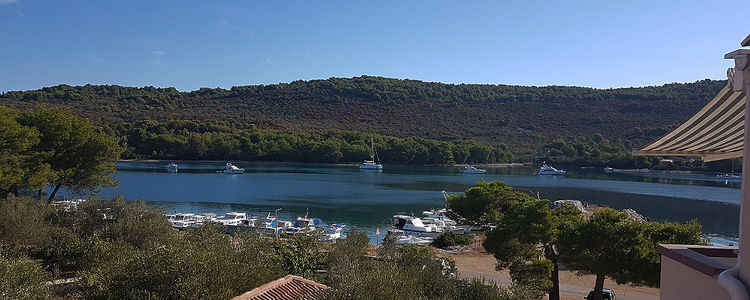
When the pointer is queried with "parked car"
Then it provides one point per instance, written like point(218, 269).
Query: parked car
point(607, 294)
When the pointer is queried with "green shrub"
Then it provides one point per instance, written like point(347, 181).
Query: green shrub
point(22, 279)
point(451, 239)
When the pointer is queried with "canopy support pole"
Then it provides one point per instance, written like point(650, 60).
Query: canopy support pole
point(741, 80)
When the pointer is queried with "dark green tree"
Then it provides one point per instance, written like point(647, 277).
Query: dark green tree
point(610, 245)
point(80, 155)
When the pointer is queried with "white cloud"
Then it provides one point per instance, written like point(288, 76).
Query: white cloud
point(93, 57)
point(158, 52)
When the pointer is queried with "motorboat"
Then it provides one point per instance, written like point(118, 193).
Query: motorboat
point(549, 170)
point(609, 170)
point(729, 177)
point(333, 232)
point(414, 226)
point(233, 218)
point(413, 240)
point(68, 204)
point(171, 168)
point(183, 220)
point(232, 169)
point(273, 226)
point(472, 170)
point(437, 215)
point(303, 225)
point(374, 162)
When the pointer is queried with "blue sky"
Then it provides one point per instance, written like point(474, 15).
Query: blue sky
point(193, 44)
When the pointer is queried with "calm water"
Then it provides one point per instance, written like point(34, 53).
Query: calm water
point(367, 199)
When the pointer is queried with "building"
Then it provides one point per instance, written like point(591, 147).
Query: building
point(289, 287)
point(716, 132)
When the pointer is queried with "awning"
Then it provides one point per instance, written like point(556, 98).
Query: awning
point(714, 133)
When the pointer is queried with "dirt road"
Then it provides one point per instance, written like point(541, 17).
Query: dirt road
point(474, 264)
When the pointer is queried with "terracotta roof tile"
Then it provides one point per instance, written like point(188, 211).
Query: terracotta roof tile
point(289, 287)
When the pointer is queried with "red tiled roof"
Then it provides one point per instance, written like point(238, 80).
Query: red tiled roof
point(289, 287)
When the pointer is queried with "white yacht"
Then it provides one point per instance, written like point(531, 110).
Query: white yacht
point(374, 162)
point(232, 169)
point(273, 226)
point(171, 168)
point(549, 170)
point(472, 170)
point(729, 177)
point(414, 226)
point(413, 240)
point(303, 225)
point(233, 218)
point(333, 232)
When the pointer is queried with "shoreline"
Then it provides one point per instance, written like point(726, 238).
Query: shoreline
point(343, 164)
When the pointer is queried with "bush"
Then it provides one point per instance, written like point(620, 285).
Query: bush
point(451, 239)
point(22, 279)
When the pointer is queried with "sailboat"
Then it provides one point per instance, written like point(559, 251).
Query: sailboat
point(374, 162)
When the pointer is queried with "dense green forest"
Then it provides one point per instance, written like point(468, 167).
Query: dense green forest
point(524, 118)
point(192, 140)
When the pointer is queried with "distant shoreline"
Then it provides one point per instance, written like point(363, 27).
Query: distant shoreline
point(344, 164)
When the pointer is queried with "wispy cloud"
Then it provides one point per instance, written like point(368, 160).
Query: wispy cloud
point(268, 61)
point(94, 58)
point(7, 1)
point(158, 52)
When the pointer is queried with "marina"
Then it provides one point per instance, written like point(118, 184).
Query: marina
point(341, 194)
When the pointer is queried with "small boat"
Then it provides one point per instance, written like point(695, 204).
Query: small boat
point(234, 218)
point(232, 169)
point(171, 168)
point(414, 226)
point(472, 170)
point(303, 225)
point(273, 226)
point(374, 162)
point(333, 232)
point(413, 240)
point(729, 177)
point(549, 170)
point(609, 170)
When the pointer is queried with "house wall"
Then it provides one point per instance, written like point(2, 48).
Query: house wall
point(681, 282)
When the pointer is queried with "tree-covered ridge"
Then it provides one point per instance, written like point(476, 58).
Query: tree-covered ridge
point(373, 88)
point(522, 117)
point(192, 141)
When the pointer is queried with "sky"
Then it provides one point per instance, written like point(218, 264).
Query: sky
point(194, 44)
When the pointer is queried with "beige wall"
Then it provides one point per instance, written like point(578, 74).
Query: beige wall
point(680, 282)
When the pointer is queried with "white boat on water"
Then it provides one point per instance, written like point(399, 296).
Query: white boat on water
point(374, 162)
point(472, 170)
point(273, 226)
point(729, 177)
point(549, 170)
point(303, 225)
point(414, 226)
point(333, 232)
point(234, 218)
point(171, 168)
point(413, 240)
point(232, 169)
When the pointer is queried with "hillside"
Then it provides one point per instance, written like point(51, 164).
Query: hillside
point(522, 117)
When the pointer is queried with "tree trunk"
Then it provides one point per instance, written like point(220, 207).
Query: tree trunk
point(599, 287)
point(549, 253)
point(52, 195)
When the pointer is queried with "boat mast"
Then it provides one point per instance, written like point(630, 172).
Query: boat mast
point(372, 146)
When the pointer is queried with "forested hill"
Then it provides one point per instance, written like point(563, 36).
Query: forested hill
point(523, 117)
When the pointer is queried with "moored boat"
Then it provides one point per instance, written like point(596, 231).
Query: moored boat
point(232, 169)
point(171, 168)
point(472, 170)
point(374, 162)
point(549, 170)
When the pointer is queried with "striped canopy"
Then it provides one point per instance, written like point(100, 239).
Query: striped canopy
point(716, 132)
